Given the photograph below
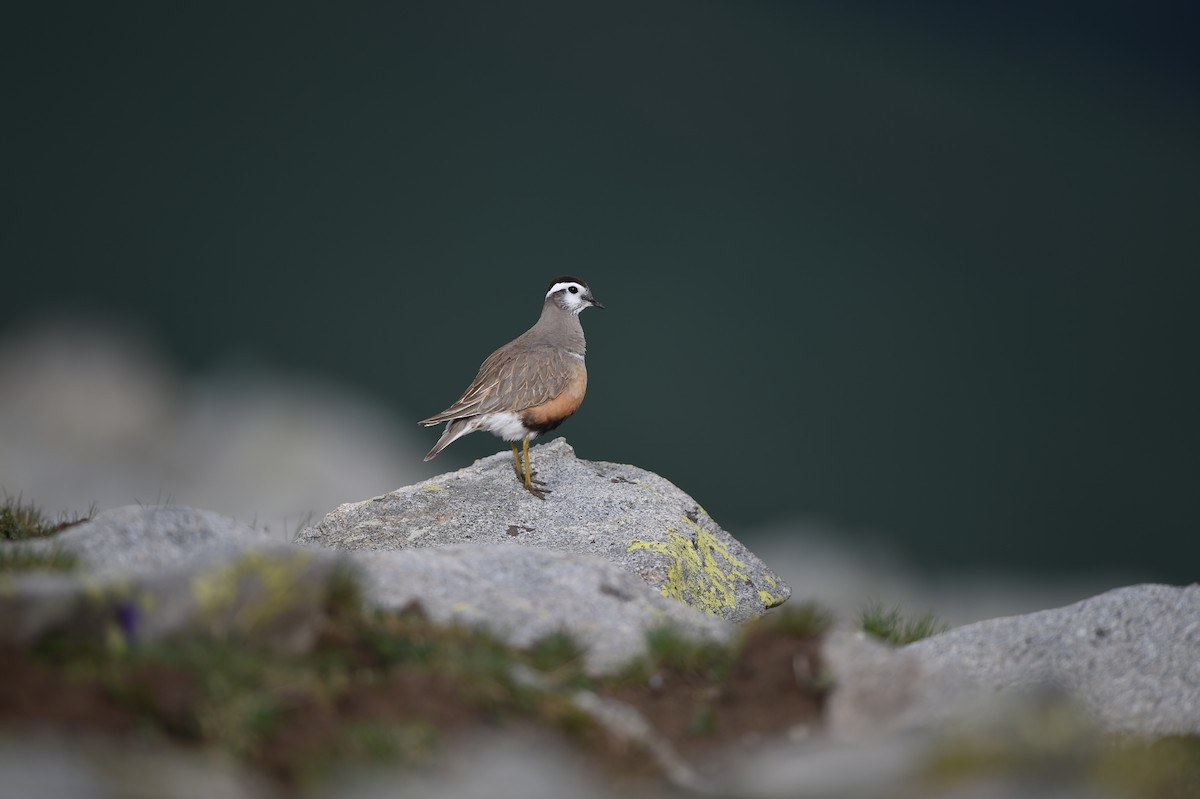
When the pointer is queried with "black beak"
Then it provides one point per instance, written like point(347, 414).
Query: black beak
point(595, 303)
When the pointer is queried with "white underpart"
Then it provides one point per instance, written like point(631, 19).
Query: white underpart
point(573, 302)
point(506, 424)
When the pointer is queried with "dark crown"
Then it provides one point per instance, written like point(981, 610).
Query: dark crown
point(566, 279)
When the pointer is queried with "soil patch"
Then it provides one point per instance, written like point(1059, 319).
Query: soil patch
point(772, 688)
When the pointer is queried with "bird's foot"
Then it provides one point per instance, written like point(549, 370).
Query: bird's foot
point(536, 487)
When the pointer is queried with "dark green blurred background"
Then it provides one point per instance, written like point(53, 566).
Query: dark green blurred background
point(926, 273)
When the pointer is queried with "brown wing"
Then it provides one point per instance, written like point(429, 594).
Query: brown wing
point(512, 379)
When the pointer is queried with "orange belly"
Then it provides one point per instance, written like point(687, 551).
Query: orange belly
point(549, 415)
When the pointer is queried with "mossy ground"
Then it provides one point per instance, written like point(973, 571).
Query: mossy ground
point(392, 687)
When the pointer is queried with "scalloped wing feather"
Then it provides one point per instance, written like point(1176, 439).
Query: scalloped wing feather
point(511, 381)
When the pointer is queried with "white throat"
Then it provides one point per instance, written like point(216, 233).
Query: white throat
point(573, 302)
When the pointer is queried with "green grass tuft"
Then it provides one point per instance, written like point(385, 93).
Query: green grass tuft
point(1055, 742)
point(21, 521)
point(891, 626)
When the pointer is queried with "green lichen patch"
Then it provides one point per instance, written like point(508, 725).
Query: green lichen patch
point(1057, 745)
point(26, 559)
point(1168, 768)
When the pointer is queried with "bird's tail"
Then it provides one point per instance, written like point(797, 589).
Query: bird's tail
point(454, 431)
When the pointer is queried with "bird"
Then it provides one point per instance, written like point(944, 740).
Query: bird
point(529, 386)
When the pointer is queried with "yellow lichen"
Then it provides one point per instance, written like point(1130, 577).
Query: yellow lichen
point(769, 600)
point(701, 572)
point(433, 488)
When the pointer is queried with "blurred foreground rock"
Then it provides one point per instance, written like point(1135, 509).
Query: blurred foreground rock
point(623, 514)
point(1029, 704)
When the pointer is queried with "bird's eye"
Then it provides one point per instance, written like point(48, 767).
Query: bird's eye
point(573, 289)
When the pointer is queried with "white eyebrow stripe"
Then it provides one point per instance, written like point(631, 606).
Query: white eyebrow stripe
point(561, 286)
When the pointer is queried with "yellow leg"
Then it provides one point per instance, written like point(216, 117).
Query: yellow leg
point(516, 459)
point(528, 473)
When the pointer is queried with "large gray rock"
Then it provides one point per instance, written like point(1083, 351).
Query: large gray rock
point(1128, 658)
point(522, 594)
point(620, 513)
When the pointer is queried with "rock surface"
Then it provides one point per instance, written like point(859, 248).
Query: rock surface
point(1129, 658)
point(623, 514)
